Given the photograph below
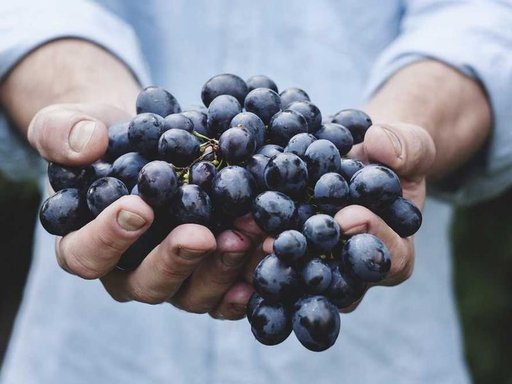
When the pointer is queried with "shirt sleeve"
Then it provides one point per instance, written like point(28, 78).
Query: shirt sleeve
point(27, 24)
point(475, 37)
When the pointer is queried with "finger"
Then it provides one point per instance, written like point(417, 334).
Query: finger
point(205, 288)
point(165, 269)
point(95, 249)
point(356, 219)
point(234, 303)
point(248, 226)
point(268, 245)
point(73, 134)
point(408, 149)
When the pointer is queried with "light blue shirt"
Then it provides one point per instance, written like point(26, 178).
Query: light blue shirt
point(70, 331)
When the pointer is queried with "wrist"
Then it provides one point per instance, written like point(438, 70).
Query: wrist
point(450, 106)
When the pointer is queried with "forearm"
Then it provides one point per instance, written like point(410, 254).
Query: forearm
point(66, 71)
point(450, 106)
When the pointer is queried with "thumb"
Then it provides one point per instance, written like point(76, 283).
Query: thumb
point(73, 134)
point(408, 149)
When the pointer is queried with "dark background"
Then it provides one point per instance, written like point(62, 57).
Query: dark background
point(482, 237)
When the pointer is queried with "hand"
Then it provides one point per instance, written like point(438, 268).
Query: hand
point(408, 150)
point(189, 268)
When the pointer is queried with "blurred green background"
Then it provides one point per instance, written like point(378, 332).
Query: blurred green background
point(482, 238)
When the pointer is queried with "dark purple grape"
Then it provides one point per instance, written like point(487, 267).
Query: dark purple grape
point(322, 157)
point(286, 173)
point(144, 131)
point(275, 281)
point(177, 121)
point(104, 192)
point(316, 323)
point(157, 100)
point(135, 190)
point(270, 150)
point(310, 112)
point(304, 211)
point(322, 232)
point(101, 169)
point(331, 193)
point(127, 167)
point(344, 289)
point(375, 187)
point(286, 124)
point(357, 122)
point(290, 246)
point(252, 304)
point(290, 95)
point(202, 174)
point(178, 147)
point(192, 205)
point(220, 113)
point(260, 81)
point(224, 84)
point(252, 123)
point(200, 121)
point(233, 190)
point(299, 143)
point(256, 166)
point(157, 183)
point(402, 216)
point(273, 211)
point(270, 323)
point(338, 135)
point(64, 212)
point(263, 102)
point(366, 257)
point(61, 176)
point(237, 145)
point(349, 167)
point(118, 142)
point(316, 276)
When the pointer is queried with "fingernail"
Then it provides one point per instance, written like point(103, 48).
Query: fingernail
point(190, 254)
point(355, 230)
point(130, 221)
point(232, 259)
point(395, 141)
point(81, 134)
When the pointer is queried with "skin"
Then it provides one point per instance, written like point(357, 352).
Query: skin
point(429, 119)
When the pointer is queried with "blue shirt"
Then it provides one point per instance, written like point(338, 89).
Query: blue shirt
point(70, 331)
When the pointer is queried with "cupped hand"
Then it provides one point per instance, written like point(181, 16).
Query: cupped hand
point(407, 149)
point(190, 268)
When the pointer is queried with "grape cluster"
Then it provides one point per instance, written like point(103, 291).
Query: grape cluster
point(249, 149)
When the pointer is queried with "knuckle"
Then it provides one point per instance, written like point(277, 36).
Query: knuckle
point(79, 267)
point(171, 269)
point(109, 243)
point(146, 296)
point(223, 278)
point(192, 305)
point(401, 269)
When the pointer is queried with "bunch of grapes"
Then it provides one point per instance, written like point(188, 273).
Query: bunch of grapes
point(249, 150)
